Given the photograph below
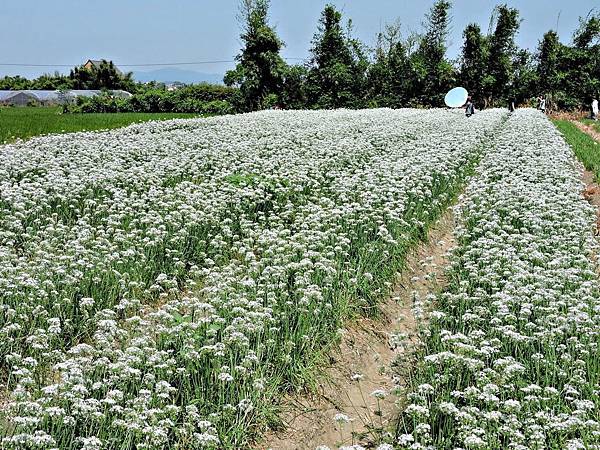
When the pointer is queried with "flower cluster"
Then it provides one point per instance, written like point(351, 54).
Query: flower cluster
point(161, 282)
point(512, 349)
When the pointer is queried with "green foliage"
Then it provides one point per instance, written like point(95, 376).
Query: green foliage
point(588, 33)
point(586, 148)
point(524, 82)
point(336, 78)
point(549, 52)
point(24, 122)
point(434, 73)
point(390, 76)
point(261, 69)
point(570, 75)
point(45, 81)
point(502, 49)
point(14, 83)
point(202, 98)
point(293, 93)
point(474, 60)
point(103, 76)
point(399, 72)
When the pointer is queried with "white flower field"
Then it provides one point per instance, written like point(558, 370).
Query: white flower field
point(163, 285)
point(512, 346)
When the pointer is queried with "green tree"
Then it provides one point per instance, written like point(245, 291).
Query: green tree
point(108, 77)
point(14, 83)
point(525, 79)
point(390, 77)
point(473, 61)
point(434, 73)
point(260, 71)
point(502, 51)
point(52, 82)
point(338, 65)
point(548, 58)
point(583, 61)
point(103, 76)
point(588, 33)
point(293, 94)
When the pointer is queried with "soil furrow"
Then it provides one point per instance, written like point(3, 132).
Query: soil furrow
point(361, 369)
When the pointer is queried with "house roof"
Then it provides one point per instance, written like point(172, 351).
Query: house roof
point(96, 63)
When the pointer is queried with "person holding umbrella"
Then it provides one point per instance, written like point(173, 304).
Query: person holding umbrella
point(469, 107)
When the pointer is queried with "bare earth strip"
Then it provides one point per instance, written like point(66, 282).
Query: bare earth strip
point(587, 129)
point(592, 189)
point(368, 348)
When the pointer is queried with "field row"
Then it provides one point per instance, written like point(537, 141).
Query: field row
point(511, 348)
point(26, 122)
point(161, 285)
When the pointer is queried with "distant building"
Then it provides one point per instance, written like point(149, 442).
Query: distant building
point(42, 97)
point(95, 63)
point(174, 86)
point(17, 98)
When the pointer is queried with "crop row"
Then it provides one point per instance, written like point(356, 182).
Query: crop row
point(511, 349)
point(162, 284)
point(90, 223)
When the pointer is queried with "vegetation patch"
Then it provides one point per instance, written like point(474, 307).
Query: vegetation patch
point(27, 122)
point(584, 146)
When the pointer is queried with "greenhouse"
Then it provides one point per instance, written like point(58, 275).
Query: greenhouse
point(43, 97)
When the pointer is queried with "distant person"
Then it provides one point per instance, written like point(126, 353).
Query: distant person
point(595, 109)
point(542, 104)
point(469, 107)
point(511, 105)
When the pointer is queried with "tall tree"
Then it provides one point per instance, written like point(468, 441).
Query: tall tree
point(548, 62)
point(261, 69)
point(390, 76)
point(474, 60)
point(588, 32)
point(584, 60)
point(293, 94)
point(435, 73)
point(524, 80)
point(338, 64)
point(502, 51)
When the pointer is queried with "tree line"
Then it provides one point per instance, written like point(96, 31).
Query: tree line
point(401, 70)
point(414, 70)
point(102, 76)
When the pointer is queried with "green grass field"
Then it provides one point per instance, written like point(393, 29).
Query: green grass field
point(26, 122)
point(584, 146)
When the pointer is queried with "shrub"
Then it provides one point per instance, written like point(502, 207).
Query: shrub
point(201, 98)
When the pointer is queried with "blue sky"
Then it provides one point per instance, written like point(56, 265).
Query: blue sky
point(150, 31)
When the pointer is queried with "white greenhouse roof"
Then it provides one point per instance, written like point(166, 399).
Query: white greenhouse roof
point(43, 95)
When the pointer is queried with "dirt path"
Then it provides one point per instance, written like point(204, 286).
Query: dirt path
point(362, 364)
point(592, 189)
point(588, 129)
point(592, 194)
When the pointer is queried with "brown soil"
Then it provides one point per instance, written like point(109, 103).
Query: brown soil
point(587, 129)
point(576, 118)
point(592, 194)
point(368, 348)
point(592, 189)
point(564, 115)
